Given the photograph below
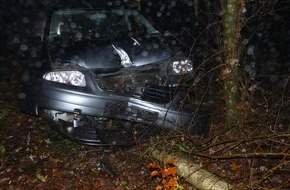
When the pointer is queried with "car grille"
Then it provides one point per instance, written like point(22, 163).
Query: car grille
point(130, 113)
point(158, 94)
point(143, 85)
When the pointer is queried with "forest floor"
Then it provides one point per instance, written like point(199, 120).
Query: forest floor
point(255, 156)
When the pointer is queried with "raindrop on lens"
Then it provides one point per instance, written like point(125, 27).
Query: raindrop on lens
point(156, 46)
point(118, 3)
point(33, 54)
point(23, 47)
point(25, 20)
point(79, 35)
point(173, 42)
point(244, 10)
point(144, 53)
point(38, 64)
point(16, 40)
point(245, 41)
point(273, 50)
point(61, 51)
point(15, 63)
point(164, 54)
point(250, 50)
point(97, 35)
point(21, 95)
point(73, 25)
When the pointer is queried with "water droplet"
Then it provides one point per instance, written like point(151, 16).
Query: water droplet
point(250, 50)
point(118, 3)
point(16, 40)
point(244, 10)
point(173, 3)
point(38, 64)
point(144, 53)
point(15, 63)
point(97, 35)
point(25, 20)
point(173, 42)
point(73, 25)
point(33, 54)
point(25, 76)
point(23, 47)
point(21, 95)
point(245, 41)
point(61, 51)
point(79, 35)
point(273, 50)
point(156, 46)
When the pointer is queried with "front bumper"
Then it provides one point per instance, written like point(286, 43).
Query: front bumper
point(101, 104)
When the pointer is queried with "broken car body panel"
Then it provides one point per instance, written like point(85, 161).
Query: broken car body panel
point(103, 65)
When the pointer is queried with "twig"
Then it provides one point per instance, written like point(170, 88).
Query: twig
point(271, 171)
point(261, 137)
point(282, 101)
point(273, 155)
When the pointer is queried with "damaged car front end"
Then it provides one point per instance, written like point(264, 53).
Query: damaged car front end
point(106, 75)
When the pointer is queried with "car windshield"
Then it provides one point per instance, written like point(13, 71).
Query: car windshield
point(98, 24)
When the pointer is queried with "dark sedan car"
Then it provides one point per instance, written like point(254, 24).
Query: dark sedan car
point(106, 76)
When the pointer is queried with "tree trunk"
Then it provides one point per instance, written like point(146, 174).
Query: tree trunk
point(229, 73)
point(192, 172)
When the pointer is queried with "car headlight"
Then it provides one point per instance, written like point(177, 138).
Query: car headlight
point(75, 78)
point(182, 66)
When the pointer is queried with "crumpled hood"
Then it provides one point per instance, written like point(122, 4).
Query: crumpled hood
point(110, 55)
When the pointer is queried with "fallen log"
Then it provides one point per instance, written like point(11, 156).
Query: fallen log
point(193, 173)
